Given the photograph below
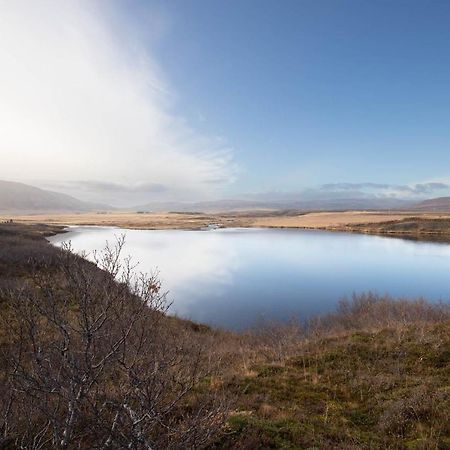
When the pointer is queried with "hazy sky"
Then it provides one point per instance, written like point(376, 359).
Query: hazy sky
point(125, 101)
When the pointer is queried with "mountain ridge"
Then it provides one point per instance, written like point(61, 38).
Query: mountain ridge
point(305, 205)
point(18, 197)
point(434, 204)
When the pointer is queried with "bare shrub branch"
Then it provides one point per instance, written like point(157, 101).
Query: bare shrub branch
point(92, 361)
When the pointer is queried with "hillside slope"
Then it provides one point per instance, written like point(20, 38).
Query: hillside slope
point(22, 198)
point(434, 204)
point(227, 205)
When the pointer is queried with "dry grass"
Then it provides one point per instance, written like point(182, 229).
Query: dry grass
point(328, 220)
point(373, 375)
point(124, 220)
point(348, 220)
point(386, 389)
point(415, 227)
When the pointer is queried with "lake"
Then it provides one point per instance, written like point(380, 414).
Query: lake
point(233, 278)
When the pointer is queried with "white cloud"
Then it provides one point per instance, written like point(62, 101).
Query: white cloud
point(79, 102)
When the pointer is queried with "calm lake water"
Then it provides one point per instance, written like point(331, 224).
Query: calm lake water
point(235, 277)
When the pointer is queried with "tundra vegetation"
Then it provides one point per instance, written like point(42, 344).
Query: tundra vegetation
point(89, 358)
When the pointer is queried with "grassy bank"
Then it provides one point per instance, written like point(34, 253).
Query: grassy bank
point(418, 228)
point(363, 221)
point(382, 389)
point(85, 363)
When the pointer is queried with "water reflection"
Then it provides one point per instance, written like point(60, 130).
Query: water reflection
point(234, 277)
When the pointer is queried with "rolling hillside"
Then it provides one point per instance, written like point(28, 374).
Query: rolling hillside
point(22, 198)
point(276, 204)
point(434, 204)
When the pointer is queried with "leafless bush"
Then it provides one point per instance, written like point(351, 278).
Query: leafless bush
point(371, 312)
point(272, 341)
point(91, 361)
point(423, 405)
point(276, 341)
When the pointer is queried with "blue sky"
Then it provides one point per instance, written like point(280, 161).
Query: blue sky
point(192, 99)
point(319, 91)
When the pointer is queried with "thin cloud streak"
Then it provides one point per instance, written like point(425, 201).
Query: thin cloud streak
point(80, 102)
point(381, 188)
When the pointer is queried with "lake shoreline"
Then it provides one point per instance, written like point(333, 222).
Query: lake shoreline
point(399, 224)
point(233, 265)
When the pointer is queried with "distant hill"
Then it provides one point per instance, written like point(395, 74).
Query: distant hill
point(434, 204)
point(25, 199)
point(305, 205)
point(21, 198)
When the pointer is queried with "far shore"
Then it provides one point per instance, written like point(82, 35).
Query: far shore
point(396, 223)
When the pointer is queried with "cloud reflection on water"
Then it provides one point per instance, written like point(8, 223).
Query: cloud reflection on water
point(235, 277)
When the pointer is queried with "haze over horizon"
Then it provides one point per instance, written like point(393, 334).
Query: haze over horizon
point(190, 100)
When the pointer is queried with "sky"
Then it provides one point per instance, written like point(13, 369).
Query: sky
point(129, 102)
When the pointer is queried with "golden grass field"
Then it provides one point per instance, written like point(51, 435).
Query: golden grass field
point(265, 219)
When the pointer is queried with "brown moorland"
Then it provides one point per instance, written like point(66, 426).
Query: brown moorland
point(359, 221)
